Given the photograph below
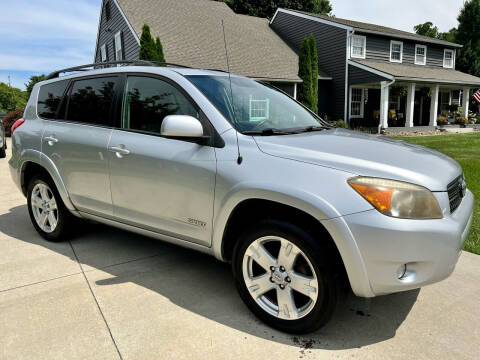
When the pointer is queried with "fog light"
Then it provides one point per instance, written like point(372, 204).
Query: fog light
point(402, 270)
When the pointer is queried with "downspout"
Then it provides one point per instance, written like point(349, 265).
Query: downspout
point(381, 91)
point(350, 33)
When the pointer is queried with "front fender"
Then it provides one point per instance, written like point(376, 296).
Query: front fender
point(307, 202)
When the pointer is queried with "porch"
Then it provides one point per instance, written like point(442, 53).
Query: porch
point(377, 98)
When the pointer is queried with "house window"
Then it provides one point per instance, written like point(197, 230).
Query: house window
point(396, 51)
point(103, 53)
point(444, 101)
point(107, 10)
point(358, 47)
point(420, 54)
point(356, 103)
point(448, 58)
point(259, 109)
point(118, 46)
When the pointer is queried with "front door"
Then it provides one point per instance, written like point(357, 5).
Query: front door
point(77, 143)
point(163, 185)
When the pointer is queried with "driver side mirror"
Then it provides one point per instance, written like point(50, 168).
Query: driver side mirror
point(183, 127)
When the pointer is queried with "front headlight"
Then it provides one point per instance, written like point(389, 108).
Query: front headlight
point(397, 198)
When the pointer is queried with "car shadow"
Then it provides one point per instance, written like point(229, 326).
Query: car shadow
point(203, 285)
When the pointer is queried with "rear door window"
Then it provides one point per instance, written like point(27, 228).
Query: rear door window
point(49, 98)
point(91, 100)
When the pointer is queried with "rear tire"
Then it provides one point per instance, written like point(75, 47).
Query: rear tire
point(52, 220)
point(292, 287)
point(3, 149)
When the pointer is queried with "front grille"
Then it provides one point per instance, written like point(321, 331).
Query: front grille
point(455, 195)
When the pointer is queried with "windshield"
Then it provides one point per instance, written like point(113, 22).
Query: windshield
point(255, 106)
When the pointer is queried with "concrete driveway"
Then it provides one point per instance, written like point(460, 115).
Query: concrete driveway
point(109, 294)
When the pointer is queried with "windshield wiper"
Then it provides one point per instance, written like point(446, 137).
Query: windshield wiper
point(267, 132)
point(312, 128)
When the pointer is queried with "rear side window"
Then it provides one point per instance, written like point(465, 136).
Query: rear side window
point(49, 98)
point(91, 100)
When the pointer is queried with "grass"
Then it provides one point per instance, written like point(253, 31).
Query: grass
point(465, 148)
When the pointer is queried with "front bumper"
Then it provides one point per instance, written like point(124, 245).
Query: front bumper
point(429, 248)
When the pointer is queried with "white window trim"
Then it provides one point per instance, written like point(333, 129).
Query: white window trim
point(118, 35)
point(103, 53)
point(425, 60)
point(401, 51)
point(364, 46)
point(453, 58)
point(362, 103)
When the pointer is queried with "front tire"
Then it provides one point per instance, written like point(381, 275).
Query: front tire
point(285, 277)
point(49, 216)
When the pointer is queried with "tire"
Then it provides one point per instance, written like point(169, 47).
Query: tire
point(306, 313)
point(3, 149)
point(54, 232)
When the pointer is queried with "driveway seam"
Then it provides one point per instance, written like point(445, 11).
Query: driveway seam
point(96, 302)
point(40, 282)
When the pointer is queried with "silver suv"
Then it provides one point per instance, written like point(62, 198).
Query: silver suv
point(237, 169)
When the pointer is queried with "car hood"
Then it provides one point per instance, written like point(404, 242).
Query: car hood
point(364, 154)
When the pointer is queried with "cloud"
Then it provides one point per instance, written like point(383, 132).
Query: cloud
point(403, 15)
point(43, 35)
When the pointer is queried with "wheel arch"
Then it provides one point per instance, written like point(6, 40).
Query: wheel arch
point(31, 167)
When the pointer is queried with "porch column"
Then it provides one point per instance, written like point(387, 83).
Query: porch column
point(466, 101)
point(434, 105)
point(410, 105)
point(384, 92)
point(295, 91)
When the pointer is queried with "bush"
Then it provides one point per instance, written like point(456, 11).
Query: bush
point(340, 124)
point(10, 119)
point(461, 120)
point(442, 120)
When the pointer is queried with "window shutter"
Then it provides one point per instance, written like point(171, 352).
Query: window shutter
point(114, 50)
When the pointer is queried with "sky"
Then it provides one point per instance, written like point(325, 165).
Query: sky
point(39, 36)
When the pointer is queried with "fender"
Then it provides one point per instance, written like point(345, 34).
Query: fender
point(41, 159)
point(310, 203)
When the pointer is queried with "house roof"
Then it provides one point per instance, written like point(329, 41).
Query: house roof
point(419, 73)
point(191, 33)
point(379, 29)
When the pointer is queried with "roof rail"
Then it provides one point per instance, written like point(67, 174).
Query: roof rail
point(87, 67)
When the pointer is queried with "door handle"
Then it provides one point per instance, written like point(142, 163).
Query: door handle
point(51, 140)
point(119, 151)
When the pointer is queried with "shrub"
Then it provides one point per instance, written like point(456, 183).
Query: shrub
point(10, 119)
point(442, 120)
point(461, 120)
point(340, 124)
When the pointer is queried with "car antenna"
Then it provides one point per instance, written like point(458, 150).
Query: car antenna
point(239, 158)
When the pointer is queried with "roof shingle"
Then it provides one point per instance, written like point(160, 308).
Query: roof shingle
point(192, 35)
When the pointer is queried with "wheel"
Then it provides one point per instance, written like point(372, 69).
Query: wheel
point(284, 276)
point(3, 153)
point(49, 216)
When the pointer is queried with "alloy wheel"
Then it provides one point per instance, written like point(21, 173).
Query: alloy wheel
point(44, 207)
point(280, 278)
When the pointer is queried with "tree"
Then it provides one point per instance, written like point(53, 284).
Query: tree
point(267, 8)
point(427, 29)
point(468, 57)
point(159, 50)
point(11, 98)
point(314, 64)
point(308, 72)
point(33, 80)
point(150, 49)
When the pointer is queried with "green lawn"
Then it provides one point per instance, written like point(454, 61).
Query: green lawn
point(465, 148)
